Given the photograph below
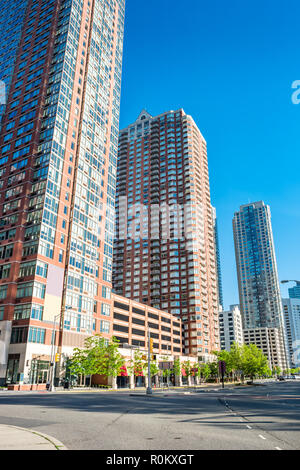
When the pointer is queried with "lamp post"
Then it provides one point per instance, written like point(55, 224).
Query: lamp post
point(52, 375)
point(149, 388)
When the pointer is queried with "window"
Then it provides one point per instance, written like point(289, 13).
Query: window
point(4, 271)
point(6, 251)
point(106, 292)
point(27, 269)
point(121, 306)
point(138, 321)
point(25, 311)
point(36, 335)
point(118, 316)
point(104, 326)
point(3, 292)
point(138, 332)
point(105, 309)
point(124, 329)
point(138, 310)
point(19, 335)
point(41, 269)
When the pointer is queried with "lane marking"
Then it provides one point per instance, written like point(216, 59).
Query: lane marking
point(278, 448)
point(262, 437)
point(249, 427)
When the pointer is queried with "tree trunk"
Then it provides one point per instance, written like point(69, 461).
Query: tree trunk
point(131, 382)
point(178, 381)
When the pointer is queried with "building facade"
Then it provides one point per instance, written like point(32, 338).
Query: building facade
point(165, 252)
point(259, 291)
point(131, 321)
point(231, 328)
point(58, 159)
point(271, 342)
point(218, 259)
point(12, 16)
point(294, 292)
point(291, 312)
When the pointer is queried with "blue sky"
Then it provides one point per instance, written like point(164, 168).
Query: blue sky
point(231, 65)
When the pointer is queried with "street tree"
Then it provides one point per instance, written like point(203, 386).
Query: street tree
point(98, 357)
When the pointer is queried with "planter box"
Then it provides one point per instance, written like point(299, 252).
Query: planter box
point(13, 387)
point(25, 387)
point(41, 387)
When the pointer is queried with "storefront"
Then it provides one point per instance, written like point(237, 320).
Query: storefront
point(12, 371)
point(123, 378)
point(39, 372)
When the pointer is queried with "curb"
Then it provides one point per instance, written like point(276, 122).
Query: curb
point(55, 442)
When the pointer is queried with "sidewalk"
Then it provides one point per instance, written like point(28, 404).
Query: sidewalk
point(15, 438)
point(137, 389)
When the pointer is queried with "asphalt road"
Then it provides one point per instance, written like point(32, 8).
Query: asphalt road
point(253, 418)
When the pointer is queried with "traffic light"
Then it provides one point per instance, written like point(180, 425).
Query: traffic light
point(151, 345)
point(57, 357)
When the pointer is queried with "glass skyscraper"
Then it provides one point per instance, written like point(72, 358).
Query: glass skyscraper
point(58, 158)
point(260, 300)
point(218, 259)
point(259, 291)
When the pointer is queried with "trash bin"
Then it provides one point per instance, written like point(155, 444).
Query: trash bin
point(67, 385)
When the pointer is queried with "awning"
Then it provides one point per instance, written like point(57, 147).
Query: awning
point(123, 371)
point(183, 372)
point(138, 373)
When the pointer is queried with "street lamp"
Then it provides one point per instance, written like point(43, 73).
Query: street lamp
point(51, 386)
point(149, 388)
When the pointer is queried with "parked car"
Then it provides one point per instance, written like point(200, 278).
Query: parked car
point(280, 378)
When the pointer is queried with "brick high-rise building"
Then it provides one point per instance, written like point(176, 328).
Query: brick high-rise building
point(165, 252)
point(58, 157)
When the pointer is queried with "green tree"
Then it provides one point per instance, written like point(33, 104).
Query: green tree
point(276, 370)
point(138, 365)
point(254, 362)
point(177, 367)
point(92, 359)
point(114, 360)
point(214, 369)
point(205, 371)
point(153, 367)
point(99, 357)
point(187, 366)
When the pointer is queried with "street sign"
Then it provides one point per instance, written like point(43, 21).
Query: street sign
point(222, 367)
